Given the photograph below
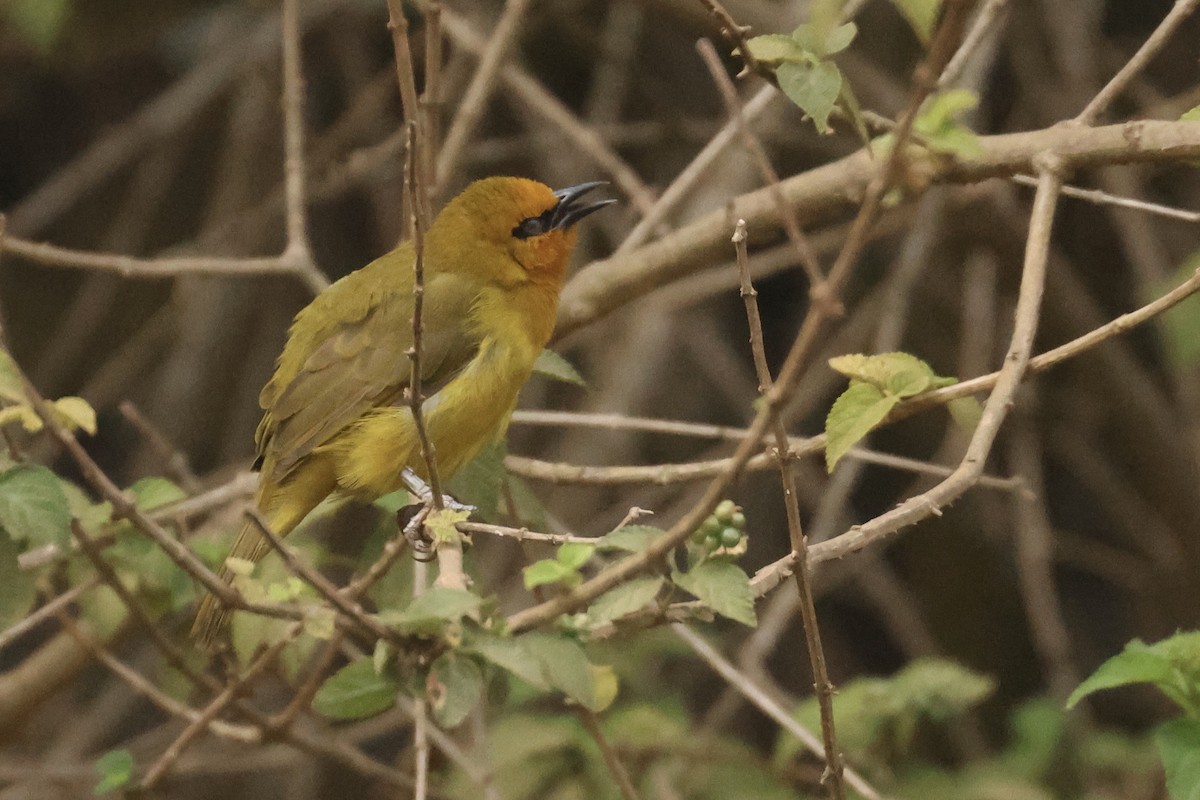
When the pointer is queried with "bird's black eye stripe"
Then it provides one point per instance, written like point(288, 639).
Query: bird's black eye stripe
point(534, 226)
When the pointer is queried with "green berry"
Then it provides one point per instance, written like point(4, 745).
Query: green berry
point(738, 520)
point(725, 511)
point(730, 537)
point(711, 526)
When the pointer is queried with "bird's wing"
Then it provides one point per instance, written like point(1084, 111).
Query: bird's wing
point(359, 363)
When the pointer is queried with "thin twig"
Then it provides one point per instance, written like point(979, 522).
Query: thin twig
point(1105, 198)
point(611, 760)
point(833, 775)
point(1017, 360)
point(791, 224)
point(293, 137)
point(687, 179)
point(1149, 49)
point(50, 609)
point(415, 398)
point(763, 702)
point(478, 92)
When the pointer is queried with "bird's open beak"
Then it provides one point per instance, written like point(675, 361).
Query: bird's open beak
point(569, 211)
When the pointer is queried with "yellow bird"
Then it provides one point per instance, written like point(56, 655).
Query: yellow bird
point(336, 419)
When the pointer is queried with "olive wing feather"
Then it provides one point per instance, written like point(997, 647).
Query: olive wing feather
point(358, 364)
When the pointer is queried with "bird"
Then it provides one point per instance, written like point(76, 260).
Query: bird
point(336, 420)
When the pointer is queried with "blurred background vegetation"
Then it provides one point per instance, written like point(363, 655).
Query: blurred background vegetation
point(154, 129)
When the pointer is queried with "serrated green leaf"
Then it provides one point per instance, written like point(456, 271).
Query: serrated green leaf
point(552, 365)
point(630, 538)
point(548, 571)
point(901, 374)
point(115, 769)
point(154, 492)
point(428, 614)
point(815, 88)
point(723, 587)
point(478, 482)
point(564, 665)
point(76, 413)
point(574, 554)
point(1179, 745)
point(510, 654)
point(921, 15)
point(774, 49)
point(355, 692)
point(18, 591)
point(453, 688)
point(33, 507)
point(627, 598)
point(855, 413)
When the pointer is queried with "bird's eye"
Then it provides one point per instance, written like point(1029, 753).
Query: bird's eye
point(532, 226)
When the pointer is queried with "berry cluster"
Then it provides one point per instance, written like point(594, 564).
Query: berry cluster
point(725, 527)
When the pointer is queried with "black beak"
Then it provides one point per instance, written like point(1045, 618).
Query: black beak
point(568, 211)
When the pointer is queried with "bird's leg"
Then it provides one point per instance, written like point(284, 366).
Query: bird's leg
point(421, 490)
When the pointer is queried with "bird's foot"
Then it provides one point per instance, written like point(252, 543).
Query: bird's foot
point(419, 488)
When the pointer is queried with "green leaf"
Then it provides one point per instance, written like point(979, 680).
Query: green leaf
point(1191, 115)
point(627, 598)
point(441, 524)
point(840, 38)
point(575, 554)
point(549, 571)
point(1179, 745)
point(721, 586)
point(1173, 665)
point(11, 388)
point(811, 39)
point(478, 482)
point(1180, 324)
point(774, 49)
point(428, 614)
point(564, 665)
point(355, 692)
point(552, 365)
point(630, 538)
point(939, 127)
point(153, 492)
point(23, 414)
point(901, 374)
point(76, 413)
point(33, 507)
point(453, 688)
point(921, 15)
point(813, 87)
point(855, 413)
point(966, 413)
point(510, 654)
point(115, 768)
point(18, 591)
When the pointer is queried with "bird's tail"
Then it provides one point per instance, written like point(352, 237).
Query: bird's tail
point(284, 507)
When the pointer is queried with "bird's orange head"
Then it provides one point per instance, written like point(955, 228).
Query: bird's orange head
point(511, 231)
